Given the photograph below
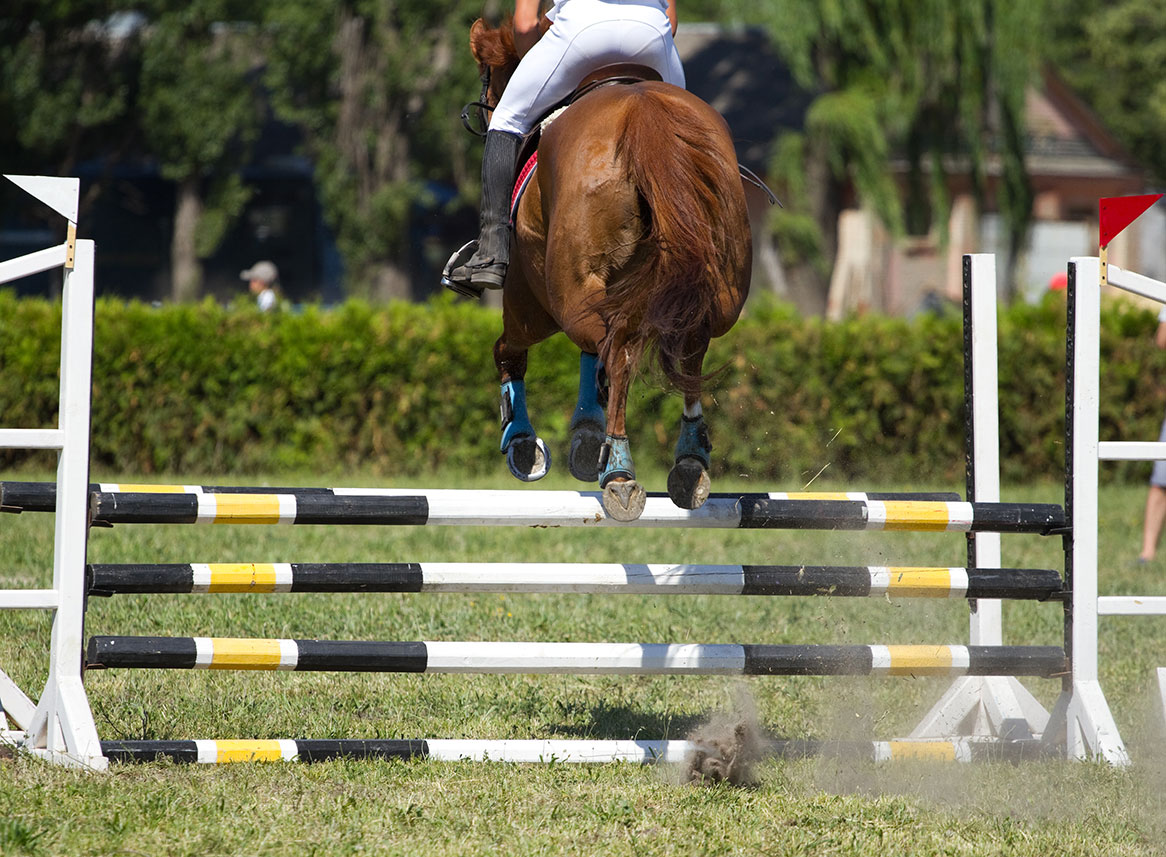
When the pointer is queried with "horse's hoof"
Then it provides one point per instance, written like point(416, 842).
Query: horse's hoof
point(624, 501)
point(583, 461)
point(688, 484)
point(528, 458)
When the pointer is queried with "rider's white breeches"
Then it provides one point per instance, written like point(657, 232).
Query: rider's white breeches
point(586, 35)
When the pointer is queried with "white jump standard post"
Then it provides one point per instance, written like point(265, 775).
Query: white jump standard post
point(1082, 714)
point(60, 727)
point(983, 707)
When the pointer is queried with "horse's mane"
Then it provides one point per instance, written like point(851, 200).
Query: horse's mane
point(494, 48)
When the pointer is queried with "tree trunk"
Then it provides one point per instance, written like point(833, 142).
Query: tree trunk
point(390, 282)
point(185, 267)
point(808, 286)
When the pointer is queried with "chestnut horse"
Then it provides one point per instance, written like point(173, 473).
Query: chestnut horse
point(633, 239)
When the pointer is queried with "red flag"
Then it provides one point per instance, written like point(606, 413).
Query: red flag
point(1115, 213)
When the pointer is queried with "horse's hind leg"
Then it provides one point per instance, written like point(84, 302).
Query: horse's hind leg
point(526, 454)
point(587, 423)
point(623, 496)
point(688, 481)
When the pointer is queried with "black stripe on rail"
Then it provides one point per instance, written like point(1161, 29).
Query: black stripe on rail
point(1047, 519)
point(362, 656)
point(103, 580)
point(140, 653)
point(807, 660)
point(842, 581)
point(762, 513)
point(180, 752)
point(357, 577)
point(324, 750)
point(129, 508)
point(361, 509)
point(1042, 661)
point(1039, 584)
point(29, 496)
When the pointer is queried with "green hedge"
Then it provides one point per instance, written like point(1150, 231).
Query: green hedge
point(405, 388)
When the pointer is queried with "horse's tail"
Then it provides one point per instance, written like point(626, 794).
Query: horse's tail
point(670, 298)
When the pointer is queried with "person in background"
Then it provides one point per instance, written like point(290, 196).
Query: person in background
point(1156, 498)
point(263, 280)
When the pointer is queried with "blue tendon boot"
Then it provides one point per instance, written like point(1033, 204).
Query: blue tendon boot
point(587, 424)
point(526, 454)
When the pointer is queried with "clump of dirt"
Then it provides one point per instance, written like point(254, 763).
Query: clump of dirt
point(727, 749)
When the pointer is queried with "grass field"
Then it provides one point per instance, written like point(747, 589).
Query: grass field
point(818, 806)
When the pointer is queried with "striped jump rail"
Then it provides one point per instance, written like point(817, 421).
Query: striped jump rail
point(454, 507)
point(119, 652)
point(630, 579)
point(210, 752)
point(42, 496)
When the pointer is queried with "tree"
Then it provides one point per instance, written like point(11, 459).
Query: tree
point(199, 114)
point(939, 83)
point(376, 86)
point(69, 76)
point(1112, 53)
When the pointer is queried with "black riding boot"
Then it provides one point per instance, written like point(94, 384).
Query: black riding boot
point(486, 269)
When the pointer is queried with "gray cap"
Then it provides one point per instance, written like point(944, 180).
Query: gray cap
point(265, 271)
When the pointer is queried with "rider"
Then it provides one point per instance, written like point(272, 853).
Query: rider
point(584, 35)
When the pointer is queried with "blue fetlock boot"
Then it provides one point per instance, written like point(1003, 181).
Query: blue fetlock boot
point(587, 423)
point(526, 455)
